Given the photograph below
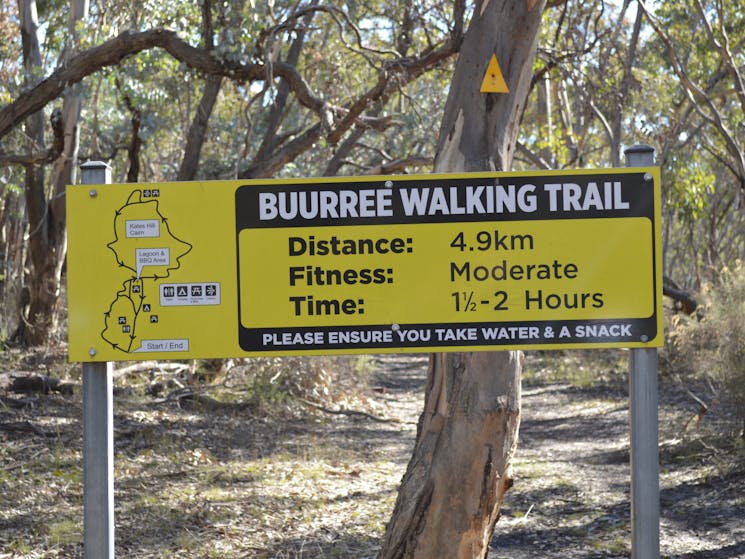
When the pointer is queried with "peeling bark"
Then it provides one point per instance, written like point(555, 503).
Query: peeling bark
point(510, 31)
point(460, 469)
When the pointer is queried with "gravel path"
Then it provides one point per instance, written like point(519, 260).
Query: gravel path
point(571, 497)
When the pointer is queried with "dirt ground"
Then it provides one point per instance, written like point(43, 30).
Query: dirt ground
point(571, 496)
point(206, 477)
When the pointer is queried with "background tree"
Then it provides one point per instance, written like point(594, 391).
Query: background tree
point(46, 212)
point(36, 203)
point(698, 45)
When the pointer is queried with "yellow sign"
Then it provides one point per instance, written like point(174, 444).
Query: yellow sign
point(493, 81)
point(364, 264)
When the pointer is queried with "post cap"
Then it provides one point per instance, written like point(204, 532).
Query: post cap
point(95, 165)
point(95, 172)
point(639, 155)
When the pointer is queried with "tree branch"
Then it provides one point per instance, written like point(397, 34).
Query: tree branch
point(45, 156)
point(273, 163)
point(128, 43)
point(400, 165)
point(535, 159)
point(404, 70)
point(270, 140)
point(336, 120)
point(110, 53)
point(698, 97)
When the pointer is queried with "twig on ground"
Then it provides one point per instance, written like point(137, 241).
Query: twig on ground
point(25, 426)
point(347, 412)
point(147, 366)
point(525, 518)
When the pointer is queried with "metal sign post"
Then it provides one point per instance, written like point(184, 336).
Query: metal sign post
point(645, 483)
point(98, 430)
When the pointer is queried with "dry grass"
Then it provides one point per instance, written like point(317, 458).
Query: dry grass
point(212, 475)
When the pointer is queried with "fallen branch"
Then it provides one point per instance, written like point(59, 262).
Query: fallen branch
point(20, 403)
point(700, 413)
point(684, 301)
point(24, 427)
point(28, 383)
point(347, 412)
point(147, 366)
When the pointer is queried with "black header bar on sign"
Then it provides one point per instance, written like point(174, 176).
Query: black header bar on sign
point(444, 198)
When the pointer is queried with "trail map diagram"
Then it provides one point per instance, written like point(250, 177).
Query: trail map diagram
point(145, 246)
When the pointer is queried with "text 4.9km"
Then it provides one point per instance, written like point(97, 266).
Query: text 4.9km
point(492, 240)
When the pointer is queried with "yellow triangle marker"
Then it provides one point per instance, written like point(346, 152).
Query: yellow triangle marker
point(493, 79)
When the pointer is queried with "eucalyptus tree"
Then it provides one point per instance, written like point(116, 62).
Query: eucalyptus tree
point(603, 80)
point(698, 46)
point(586, 87)
point(452, 492)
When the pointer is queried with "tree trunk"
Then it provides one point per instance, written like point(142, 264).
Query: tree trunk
point(452, 491)
point(36, 209)
point(479, 130)
point(47, 218)
point(198, 129)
